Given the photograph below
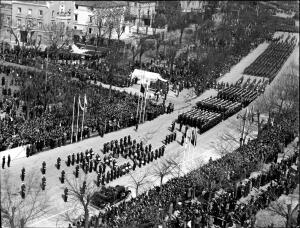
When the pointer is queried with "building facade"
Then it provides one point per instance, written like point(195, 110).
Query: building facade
point(90, 17)
point(142, 13)
point(28, 20)
point(192, 6)
point(5, 20)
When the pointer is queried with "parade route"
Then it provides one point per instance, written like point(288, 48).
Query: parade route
point(151, 132)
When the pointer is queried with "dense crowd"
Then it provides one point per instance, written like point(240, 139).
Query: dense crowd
point(173, 206)
point(106, 110)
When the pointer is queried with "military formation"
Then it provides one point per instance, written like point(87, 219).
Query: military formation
point(211, 111)
point(272, 59)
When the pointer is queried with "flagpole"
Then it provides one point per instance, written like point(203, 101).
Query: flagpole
point(73, 120)
point(146, 93)
point(141, 108)
point(83, 115)
point(77, 119)
point(137, 109)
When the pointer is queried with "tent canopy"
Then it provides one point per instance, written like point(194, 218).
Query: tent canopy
point(145, 77)
point(77, 50)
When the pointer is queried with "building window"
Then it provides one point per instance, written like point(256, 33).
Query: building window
point(75, 27)
point(90, 30)
point(76, 17)
point(41, 12)
point(19, 22)
point(8, 20)
point(52, 13)
point(91, 19)
point(19, 10)
point(76, 6)
point(40, 25)
point(29, 11)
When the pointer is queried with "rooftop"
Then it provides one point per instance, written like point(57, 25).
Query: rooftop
point(101, 4)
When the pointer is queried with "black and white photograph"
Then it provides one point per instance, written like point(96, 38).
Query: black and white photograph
point(149, 114)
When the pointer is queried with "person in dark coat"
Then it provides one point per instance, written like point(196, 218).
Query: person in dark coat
point(3, 162)
point(8, 161)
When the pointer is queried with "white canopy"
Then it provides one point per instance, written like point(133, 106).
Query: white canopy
point(145, 77)
point(77, 50)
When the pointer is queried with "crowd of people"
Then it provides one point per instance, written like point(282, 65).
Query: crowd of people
point(175, 205)
point(51, 126)
point(272, 59)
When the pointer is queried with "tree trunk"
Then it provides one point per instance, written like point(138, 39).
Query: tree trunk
point(181, 34)
point(136, 191)
point(141, 59)
point(86, 217)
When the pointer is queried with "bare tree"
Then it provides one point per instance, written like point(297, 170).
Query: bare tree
point(99, 21)
point(18, 212)
point(243, 128)
point(138, 180)
point(162, 169)
point(58, 37)
point(171, 53)
point(119, 27)
point(282, 98)
point(81, 196)
point(145, 45)
point(278, 208)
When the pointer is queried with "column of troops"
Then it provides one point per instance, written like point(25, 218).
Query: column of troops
point(235, 94)
point(130, 149)
point(211, 111)
point(272, 59)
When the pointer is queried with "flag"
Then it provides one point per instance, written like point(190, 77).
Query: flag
point(142, 89)
point(85, 100)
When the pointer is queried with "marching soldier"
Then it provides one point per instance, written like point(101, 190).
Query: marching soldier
point(103, 180)
point(76, 171)
point(43, 168)
point(81, 157)
point(156, 154)
point(58, 163)
point(73, 159)
point(43, 183)
point(173, 126)
point(3, 162)
point(180, 126)
point(69, 161)
point(23, 174)
point(98, 179)
point(62, 179)
point(91, 166)
point(77, 158)
point(8, 161)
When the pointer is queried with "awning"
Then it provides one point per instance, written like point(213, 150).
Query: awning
point(76, 50)
point(145, 77)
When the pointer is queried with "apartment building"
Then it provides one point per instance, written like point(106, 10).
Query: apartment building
point(88, 13)
point(192, 6)
point(142, 14)
point(28, 19)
